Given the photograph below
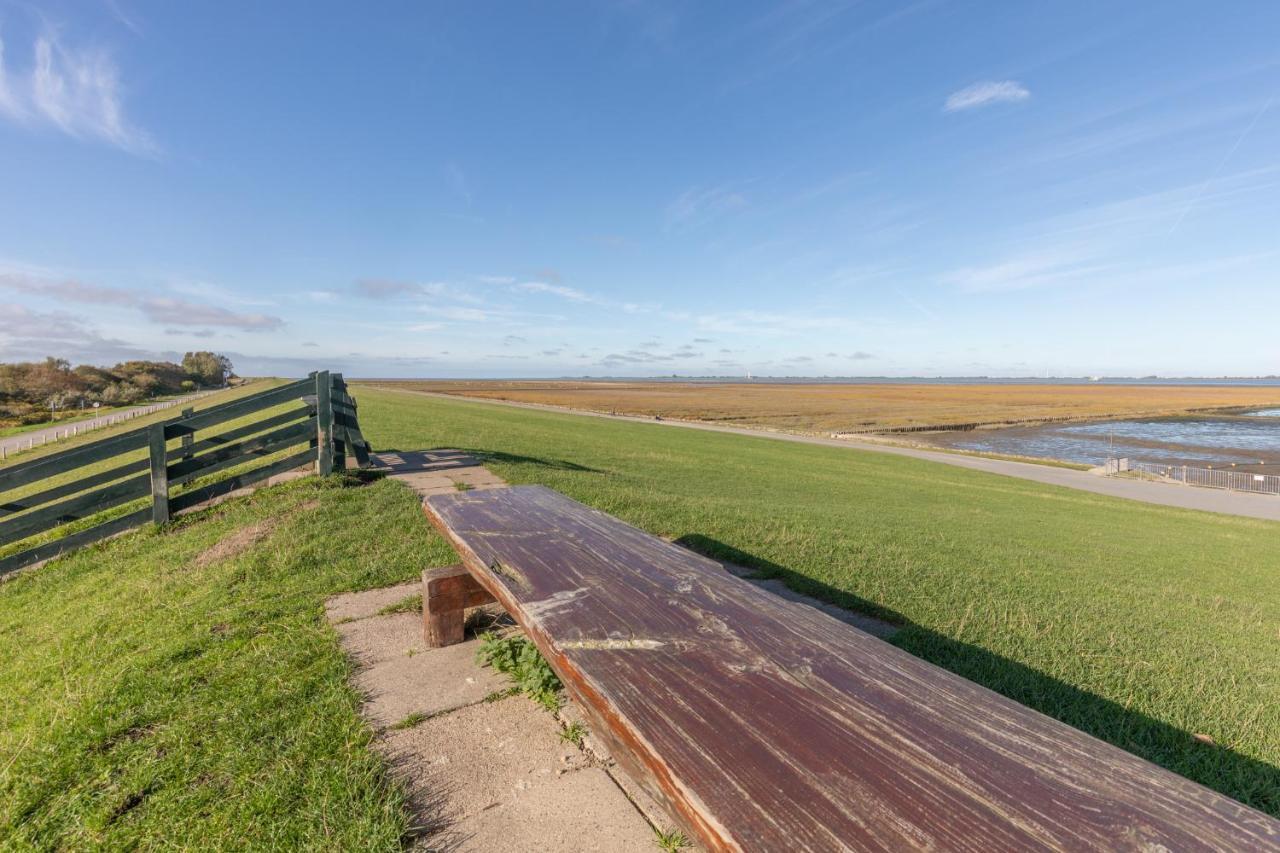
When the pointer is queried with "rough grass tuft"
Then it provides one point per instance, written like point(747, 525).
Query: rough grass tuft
point(574, 733)
point(412, 720)
point(408, 604)
point(670, 840)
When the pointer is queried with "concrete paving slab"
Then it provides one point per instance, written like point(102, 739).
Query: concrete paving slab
point(583, 811)
point(480, 757)
point(371, 641)
point(431, 683)
point(360, 605)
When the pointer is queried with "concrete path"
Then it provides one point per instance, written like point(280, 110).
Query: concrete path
point(57, 432)
point(433, 472)
point(1185, 497)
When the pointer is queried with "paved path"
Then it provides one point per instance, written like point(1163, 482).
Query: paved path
point(56, 432)
point(1185, 497)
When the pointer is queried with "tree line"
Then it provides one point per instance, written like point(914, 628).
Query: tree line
point(33, 391)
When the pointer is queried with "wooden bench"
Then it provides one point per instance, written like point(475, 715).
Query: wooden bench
point(767, 725)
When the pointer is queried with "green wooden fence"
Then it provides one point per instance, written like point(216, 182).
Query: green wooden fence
point(319, 428)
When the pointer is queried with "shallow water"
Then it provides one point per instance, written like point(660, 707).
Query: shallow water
point(1250, 441)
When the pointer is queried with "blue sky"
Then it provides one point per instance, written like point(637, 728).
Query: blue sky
point(644, 188)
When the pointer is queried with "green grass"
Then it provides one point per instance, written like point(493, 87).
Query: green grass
point(1143, 625)
point(153, 699)
point(156, 699)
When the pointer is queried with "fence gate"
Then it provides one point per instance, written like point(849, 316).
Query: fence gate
point(59, 502)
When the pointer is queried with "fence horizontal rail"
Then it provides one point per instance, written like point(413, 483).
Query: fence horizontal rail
point(323, 426)
point(238, 408)
point(27, 502)
point(73, 509)
point(222, 487)
point(25, 473)
point(225, 438)
point(234, 454)
point(49, 550)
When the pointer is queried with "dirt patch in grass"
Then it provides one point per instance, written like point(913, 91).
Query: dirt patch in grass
point(237, 542)
point(242, 539)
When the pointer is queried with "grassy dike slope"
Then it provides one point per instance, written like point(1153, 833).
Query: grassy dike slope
point(180, 687)
point(1140, 624)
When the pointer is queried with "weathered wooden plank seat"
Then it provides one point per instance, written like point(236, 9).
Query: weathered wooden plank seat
point(767, 725)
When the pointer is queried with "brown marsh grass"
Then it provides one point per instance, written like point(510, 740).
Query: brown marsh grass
point(871, 407)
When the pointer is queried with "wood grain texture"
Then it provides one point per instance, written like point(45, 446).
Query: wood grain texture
point(767, 725)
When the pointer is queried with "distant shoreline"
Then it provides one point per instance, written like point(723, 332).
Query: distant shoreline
point(1220, 381)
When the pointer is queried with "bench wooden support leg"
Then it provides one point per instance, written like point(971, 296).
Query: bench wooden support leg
point(446, 594)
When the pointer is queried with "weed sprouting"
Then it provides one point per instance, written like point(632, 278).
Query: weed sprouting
point(411, 720)
point(574, 733)
point(670, 840)
point(519, 659)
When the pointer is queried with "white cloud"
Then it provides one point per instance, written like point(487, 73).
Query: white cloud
point(27, 334)
point(1024, 271)
point(180, 312)
point(986, 93)
point(76, 91)
point(570, 293)
point(164, 310)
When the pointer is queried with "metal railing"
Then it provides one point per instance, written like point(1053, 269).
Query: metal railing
point(1210, 478)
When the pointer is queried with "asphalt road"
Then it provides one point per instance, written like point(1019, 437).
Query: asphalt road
point(1186, 497)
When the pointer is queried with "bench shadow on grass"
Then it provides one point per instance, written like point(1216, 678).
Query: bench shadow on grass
point(484, 456)
point(1246, 779)
point(516, 459)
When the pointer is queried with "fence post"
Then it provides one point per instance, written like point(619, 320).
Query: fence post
point(159, 476)
point(341, 442)
point(188, 438)
point(324, 424)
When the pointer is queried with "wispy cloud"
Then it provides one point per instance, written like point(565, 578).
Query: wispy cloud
point(700, 205)
point(76, 91)
point(192, 333)
point(766, 323)
point(570, 293)
point(386, 289)
point(458, 180)
point(27, 334)
point(164, 310)
point(180, 312)
point(1024, 271)
point(986, 93)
